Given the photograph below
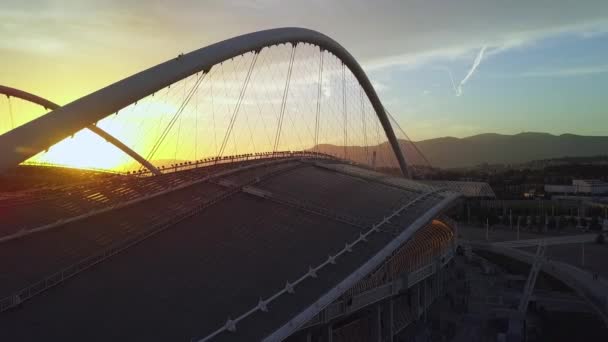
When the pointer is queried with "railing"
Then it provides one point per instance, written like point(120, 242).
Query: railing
point(401, 261)
point(84, 264)
point(54, 165)
point(380, 292)
point(556, 240)
point(420, 274)
point(289, 288)
point(189, 165)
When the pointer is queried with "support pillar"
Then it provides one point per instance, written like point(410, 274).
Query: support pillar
point(376, 331)
point(387, 321)
point(419, 299)
point(328, 333)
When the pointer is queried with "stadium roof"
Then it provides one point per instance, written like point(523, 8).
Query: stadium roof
point(468, 189)
point(237, 254)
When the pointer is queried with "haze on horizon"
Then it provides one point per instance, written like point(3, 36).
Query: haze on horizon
point(457, 68)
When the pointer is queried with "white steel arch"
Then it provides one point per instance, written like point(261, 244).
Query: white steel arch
point(38, 135)
point(13, 92)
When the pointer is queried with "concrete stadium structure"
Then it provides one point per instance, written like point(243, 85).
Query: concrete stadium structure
point(271, 246)
point(296, 246)
point(255, 250)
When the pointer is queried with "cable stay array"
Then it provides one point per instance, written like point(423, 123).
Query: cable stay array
point(285, 97)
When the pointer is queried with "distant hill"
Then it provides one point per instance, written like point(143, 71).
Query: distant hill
point(491, 148)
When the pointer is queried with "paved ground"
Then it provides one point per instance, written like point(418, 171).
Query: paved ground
point(594, 256)
point(502, 233)
point(479, 300)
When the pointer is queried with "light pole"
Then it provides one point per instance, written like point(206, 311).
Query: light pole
point(583, 254)
point(487, 229)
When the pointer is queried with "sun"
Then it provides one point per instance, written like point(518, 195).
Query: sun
point(84, 150)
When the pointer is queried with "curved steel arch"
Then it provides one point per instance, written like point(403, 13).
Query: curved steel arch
point(13, 92)
point(37, 135)
point(29, 97)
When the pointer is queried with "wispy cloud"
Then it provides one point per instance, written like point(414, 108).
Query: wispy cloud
point(567, 71)
point(476, 63)
point(379, 86)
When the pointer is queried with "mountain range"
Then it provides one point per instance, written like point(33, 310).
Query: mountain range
point(491, 148)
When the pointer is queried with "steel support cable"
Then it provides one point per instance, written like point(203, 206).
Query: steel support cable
point(238, 104)
point(176, 116)
point(251, 132)
point(309, 103)
point(295, 130)
point(140, 140)
point(297, 109)
point(10, 111)
point(378, 143)
point(46, 104)
point(160, 117)
point(171, 123)
point(257, 103)
point(364, 125)
point(27, 140)
point(179, 131)
point(236, 148)
point(344, 112)
point(284, 100)
point(262, 86)
point(161, 126)
point(319, 93)
point(179, 128)
point(408, 138)
point(334, 123)
point(353, 129)
point(116, 124)
point(249, 126)
point(306, 106)
point(196, 129)
point(303, 111)
point(236, 65)
point(213, 118)
point(234, 74)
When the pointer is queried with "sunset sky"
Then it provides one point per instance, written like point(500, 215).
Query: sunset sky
point(443, 68)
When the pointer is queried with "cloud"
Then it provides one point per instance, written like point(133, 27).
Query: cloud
point(402, 32)
point(567, 71)
point(476, 63)
point(92, 35)
point(380, 86)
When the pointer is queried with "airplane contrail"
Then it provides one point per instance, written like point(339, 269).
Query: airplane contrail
point(452, 79)
point(449, 72)
point(476, 63)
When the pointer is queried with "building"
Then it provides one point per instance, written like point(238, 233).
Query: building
point(585, 187)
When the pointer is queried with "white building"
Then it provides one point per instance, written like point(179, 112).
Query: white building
point(580, 187)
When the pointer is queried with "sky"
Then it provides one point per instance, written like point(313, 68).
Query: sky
point(443, 68)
